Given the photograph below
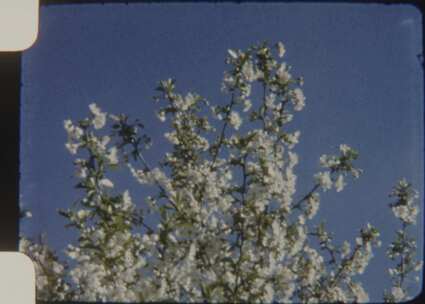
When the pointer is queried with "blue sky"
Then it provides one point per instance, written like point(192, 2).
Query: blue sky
point(363, 83)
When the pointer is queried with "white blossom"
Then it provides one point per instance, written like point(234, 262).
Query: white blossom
point(281, 49)
point(161, 115)
point(406, 213)
point(283, 75)
point(232, 53)
point(298, 99)
point(247, 104)
point(339, 183)
point(313, 204)
point(235, 120)
point(359, 293)
point(112, 156)
point(81, 172)
point(126, 200)
point(248, 71)
point(398, 294)
point(81, 214)
point(324, 180)
point(74, 132)
point(418, 266)
point(329, 161)
point(345, 249)
point(359, 241)
point(293, 138)
point(106, 183)
point(344, 149)
point(73, 147)
point(99, 117)
point(172, 137)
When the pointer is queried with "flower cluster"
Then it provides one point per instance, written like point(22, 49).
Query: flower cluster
point(405, 208)
point(50, 272)
point(109, 255)
point(225, 222)
point(338, 167)
point(403, 247)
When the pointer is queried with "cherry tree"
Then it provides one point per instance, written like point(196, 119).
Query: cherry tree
point(228, 224)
